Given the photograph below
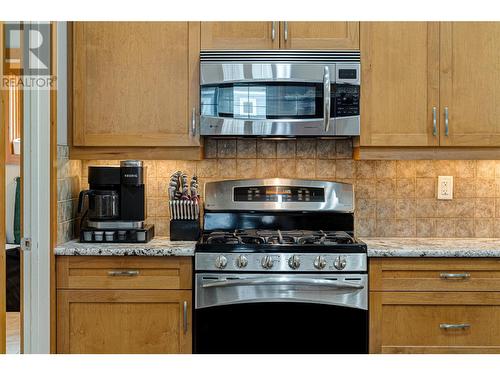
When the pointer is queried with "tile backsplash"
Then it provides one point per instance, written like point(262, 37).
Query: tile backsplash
point(393, 198)
point(68, 187)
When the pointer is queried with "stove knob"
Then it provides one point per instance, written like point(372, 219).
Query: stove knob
point(221, 262)
point(241, 261)
point(267, 262)
point(294, 262)
point(340, 262)
point(320, 262)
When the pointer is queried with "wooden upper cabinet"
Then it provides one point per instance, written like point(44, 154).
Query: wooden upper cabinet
point(135, 83)
point(470, 83)
point(400, 83)
point(239, 35)
point(320, 35)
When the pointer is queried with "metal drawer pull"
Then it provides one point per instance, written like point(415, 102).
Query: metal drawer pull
point(446, 122)
point(454, 326)
point(460, 276)
point(434, 121)
point(185, 316)
point(283, 281)
point(286, 31)
point(124, 273)
point(273, 31)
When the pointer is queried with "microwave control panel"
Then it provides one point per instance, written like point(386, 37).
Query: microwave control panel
point(346, 101)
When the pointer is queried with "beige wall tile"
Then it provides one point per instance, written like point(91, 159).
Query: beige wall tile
point(445, 167)
point(405, 187)
point(386, 208)
point(466, 168)
point(386, 188)
point(346, 169)
point(425, 227)
point(483, 227)
point(207, 168)
point(246, 168)
point(446, 208)
point(365, 169)
point(387, 228)
point(365, 188)
point(165, 168)
point(325, 168)
point(227, 168)
point(266, 149)
point(306, 168)
point(326, 149)
point(405, 208)
point(496, 228)
point(425, 208)
point(343, 148)
point(246, 148)
point(485, 187)
point(366, 208)
point(445, 228)
point(425, 187)
point(485, 207)
point(286, 168)
point(406, 169)
point(464, 207)
point(385, 168)
point(464, 187)
point(188, 167)
point(406, 227)
point(266, 168)
point(365, 227)
point(464, 228)
point(486, 168)
point(425, 168)
point(226, 148)
point(306, 148)
point(286, 149)
point(210, 148)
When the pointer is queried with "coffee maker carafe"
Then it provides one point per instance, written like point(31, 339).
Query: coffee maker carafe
point(116, 204)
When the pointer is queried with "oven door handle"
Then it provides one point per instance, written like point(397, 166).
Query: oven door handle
point(333, 284)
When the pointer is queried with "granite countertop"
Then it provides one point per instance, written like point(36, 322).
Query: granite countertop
point(158, 246)
point(433, 247)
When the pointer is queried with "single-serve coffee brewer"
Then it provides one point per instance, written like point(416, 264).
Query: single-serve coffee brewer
point(114, 207)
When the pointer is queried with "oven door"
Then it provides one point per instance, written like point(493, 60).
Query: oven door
point(281, 313)
point(267, 99)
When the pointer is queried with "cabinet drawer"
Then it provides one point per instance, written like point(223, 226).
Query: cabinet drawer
point(438, 274)
point(441, 322)
point(82, 272)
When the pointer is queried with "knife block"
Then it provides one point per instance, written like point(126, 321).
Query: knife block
point(185, 230)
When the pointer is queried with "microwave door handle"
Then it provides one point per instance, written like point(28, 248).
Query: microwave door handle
point(326, 98)
point(333, 284)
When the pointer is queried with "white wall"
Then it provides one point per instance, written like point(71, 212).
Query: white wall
point(62, 84)
point(11, 171)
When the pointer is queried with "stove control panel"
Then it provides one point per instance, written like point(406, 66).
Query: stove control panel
point(281, 262)
point(278, 194)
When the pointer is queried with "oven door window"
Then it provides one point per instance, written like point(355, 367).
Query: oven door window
point(261, 101)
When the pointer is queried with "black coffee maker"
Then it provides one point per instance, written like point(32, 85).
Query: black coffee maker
point(116, 209)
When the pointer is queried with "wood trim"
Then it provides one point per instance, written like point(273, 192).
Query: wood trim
point(142, 153)
point(440, 350)
point(3, 130)
point(194, 40)
point(53, 188)
point(426, 153)
point(78, 77)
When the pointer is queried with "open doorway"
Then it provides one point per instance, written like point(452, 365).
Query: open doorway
point(12, 120)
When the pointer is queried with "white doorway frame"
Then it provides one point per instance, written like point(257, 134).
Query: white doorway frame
point(36, 219)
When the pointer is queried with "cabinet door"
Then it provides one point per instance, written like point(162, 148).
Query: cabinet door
point(434, 322)
point(400, 83)
point(239, 35)
point(123, 321)
point(470, 83)
point(135, 83)
point(320, 35)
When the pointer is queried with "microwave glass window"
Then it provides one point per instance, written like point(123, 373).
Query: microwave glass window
point(273, 100)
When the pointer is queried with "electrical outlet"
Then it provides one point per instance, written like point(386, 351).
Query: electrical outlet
point(445, 187)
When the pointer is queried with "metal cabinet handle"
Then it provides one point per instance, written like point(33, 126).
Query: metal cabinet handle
point(286, 31)
point(185, 316)
point(434, 121)
point(124, 273)
point(460, 276)
point(193, 122)
point(273, 31)
point(454, 326)
point(446, 122)
point(284, 280)
point(326, 98)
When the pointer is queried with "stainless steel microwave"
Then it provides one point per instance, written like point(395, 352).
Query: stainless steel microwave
point(279, 93)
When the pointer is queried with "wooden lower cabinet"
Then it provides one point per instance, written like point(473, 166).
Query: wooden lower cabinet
point(144, 308)
point(442, 305)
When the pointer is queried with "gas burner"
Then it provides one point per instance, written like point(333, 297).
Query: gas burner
point(222, 238)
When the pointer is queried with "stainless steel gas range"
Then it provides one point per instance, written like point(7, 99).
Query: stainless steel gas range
point(278, 269)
